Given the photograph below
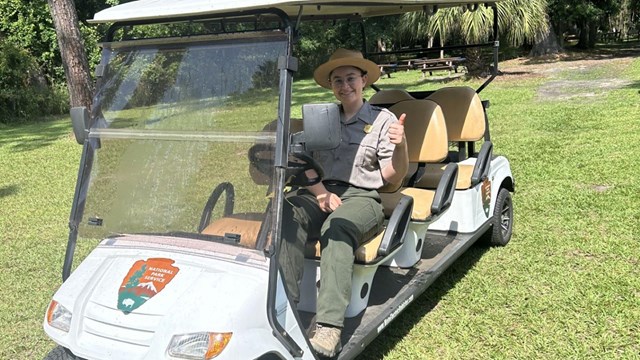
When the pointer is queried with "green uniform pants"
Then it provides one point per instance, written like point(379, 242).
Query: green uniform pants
point(358, 219)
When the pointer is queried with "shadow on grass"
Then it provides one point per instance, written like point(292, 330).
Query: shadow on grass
point(441, 79)
point(31, 136)
point(426, 302)
point(514, 73)
point(633, 85)
point(601, 52)
point(8, 190)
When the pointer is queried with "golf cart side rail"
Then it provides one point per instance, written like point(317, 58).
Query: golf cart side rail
point(287, 66)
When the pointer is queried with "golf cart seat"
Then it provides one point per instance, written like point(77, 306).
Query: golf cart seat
point(389, 97)
point(244, 227)
point(427, 143)
point(466, 123)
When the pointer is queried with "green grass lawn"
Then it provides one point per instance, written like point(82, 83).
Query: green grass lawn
point(567, 286)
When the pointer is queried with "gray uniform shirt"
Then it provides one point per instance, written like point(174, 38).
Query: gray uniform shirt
point(363, 151)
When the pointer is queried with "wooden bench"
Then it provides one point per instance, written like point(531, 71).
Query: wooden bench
point(387, 69)
point(431, 69)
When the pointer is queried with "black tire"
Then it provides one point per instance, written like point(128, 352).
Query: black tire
point(60, 353)
point(502, 220)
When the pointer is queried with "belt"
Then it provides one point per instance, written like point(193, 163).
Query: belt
point(336, 183)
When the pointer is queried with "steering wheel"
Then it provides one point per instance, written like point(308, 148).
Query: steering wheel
point(297, 166)
point(261, 158)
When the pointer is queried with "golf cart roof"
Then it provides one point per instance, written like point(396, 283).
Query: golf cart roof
point(150, 10)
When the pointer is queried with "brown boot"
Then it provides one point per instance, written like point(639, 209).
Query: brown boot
point(326, 340)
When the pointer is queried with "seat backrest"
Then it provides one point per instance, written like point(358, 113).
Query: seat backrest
point(463, 112)
point(425, 130)
point(389, 97)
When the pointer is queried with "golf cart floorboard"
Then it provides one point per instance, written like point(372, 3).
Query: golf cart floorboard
point(395, 288)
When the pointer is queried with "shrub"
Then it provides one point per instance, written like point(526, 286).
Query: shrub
point(24, 92)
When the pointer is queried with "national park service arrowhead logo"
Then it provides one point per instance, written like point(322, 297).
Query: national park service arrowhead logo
point(486, 196)
point(144, 280)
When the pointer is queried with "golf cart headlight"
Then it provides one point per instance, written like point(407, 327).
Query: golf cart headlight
point(200, 346)
point(58, 316)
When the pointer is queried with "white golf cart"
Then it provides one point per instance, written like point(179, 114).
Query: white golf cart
point(188, 152)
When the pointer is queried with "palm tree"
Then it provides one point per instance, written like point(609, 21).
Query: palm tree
point(519, 21)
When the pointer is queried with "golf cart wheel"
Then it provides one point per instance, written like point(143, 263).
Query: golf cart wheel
point(60, 353)
point(502, 221)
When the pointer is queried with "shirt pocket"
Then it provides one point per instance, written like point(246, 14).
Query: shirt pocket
point(366, 149)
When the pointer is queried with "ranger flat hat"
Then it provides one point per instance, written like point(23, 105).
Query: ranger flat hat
point(345, 57)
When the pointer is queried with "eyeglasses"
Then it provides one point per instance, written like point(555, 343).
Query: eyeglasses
point(339, 82)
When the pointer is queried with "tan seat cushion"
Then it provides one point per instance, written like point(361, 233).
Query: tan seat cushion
point(246, 225)
point(368, 252)
point(433, 173)
point(422, 201)
point(365, 254)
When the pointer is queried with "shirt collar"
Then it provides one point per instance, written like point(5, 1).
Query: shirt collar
point(365, 114)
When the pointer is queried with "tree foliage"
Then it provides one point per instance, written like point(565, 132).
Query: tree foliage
point(23, 90)
point(317, 40)
point(519, 21)
point(586, 16)
point(28, 25)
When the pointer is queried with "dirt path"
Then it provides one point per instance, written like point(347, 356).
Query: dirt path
point(555, 69)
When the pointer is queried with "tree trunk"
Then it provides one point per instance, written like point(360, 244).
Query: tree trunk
point(74, 58)
point(593, 34)
point(560, 29)
point(475, 64)
point(547, 46)
point(583, 39)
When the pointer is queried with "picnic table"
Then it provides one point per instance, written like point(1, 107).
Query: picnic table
point(431, 65)
point(423, 64)
point(387, 69)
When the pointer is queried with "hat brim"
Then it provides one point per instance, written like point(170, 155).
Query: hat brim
point(321, 74)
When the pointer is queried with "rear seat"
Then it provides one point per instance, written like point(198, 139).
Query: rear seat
point(466, 123)
point(389, 97)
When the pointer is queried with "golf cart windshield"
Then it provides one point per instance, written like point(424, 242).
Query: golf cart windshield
point(175, 124)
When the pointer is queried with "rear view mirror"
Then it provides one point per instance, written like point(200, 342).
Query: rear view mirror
point(80, 122)
point(321, 124)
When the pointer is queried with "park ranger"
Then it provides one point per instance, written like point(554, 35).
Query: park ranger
point(343, 210)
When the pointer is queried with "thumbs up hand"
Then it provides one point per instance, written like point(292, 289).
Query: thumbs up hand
point(396, 131)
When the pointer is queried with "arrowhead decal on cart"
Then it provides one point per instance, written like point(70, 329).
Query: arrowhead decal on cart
point(144, 280)
point(486, 196)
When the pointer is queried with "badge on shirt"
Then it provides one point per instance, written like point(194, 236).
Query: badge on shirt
point(367, 128)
